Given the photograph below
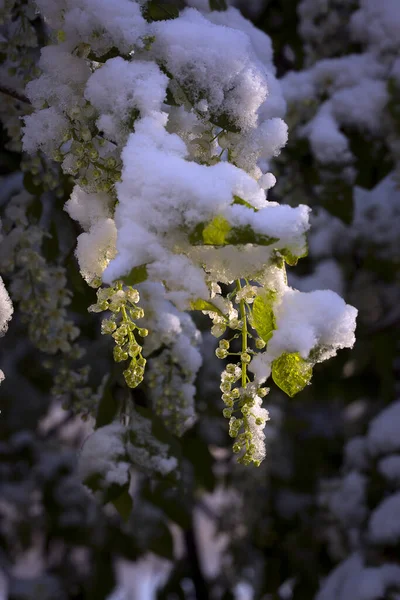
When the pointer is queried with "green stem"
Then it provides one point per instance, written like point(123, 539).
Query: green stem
point(244, 333)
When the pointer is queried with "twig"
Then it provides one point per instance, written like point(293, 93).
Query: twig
point(13, 94)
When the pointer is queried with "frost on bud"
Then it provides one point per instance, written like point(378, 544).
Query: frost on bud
point(218, 329)
point(220, 353)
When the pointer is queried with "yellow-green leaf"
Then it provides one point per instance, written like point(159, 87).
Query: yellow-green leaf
point(246, 235)
point(214, 234)
point(291, 373)
point(219, 232)
point(239, 200)
point(263, 318)
point(292, 258)
point(205, 305)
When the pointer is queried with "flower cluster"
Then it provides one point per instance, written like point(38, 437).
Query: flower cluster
point(121, 325)
point(39, 288)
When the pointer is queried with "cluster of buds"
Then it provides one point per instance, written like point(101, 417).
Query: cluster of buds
point(122, 303)
point(246, 428)
point(169, 386)
point(221, 320)
point(45, 175)
point(90, 158)
point(241, 396)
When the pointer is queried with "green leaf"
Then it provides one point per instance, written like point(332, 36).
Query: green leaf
point(290, 258)
point(160, 11)
point(215, 233)
point(136, 275)
point(112, 53)
point(123, 503)
point(218, 5)
point(246, 235)
point(205, 305)
point(263, 318)
point(108, 405)
point(169, 99)
point(238, 200)
point(219, 232)
point(225, 122)
point(291, 373)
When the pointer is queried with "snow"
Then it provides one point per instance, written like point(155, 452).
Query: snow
point(356, 454)
point(326, 276)
point(389, 467)
point(95, 249)
point(353, 580)
point(213, 62)
point(384, 524)
point(347, 503)
point(314, 319)
point(121, 23)
point(377, 23)
point(6, 308)
point(88, 208)
point(104, 453)
point(383, 433)
point(327, 142)
point(119, 87)
point(43, 130)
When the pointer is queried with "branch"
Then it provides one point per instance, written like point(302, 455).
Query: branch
point(12, 94)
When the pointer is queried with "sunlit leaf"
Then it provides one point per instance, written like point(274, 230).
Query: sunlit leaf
point(205, 305)
point(263, 318)
point(291, 373)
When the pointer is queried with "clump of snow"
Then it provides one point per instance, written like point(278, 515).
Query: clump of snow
point(347, 503)
point(6, 308)
point(378, 24)
point(356, 453)
point(146, 451)
point(384, 524)
point(120, 87)
point(97, 22)
point(88, 208)
point(96, 249)
point(104, 454)
point(319, 319)
point(383, 433)
point(6, 311)
point(63, 79)
point(213, 62)
point(353, 579)
point(389, 467)
point(327, 142)
point(44, 130)
point(376, 216)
